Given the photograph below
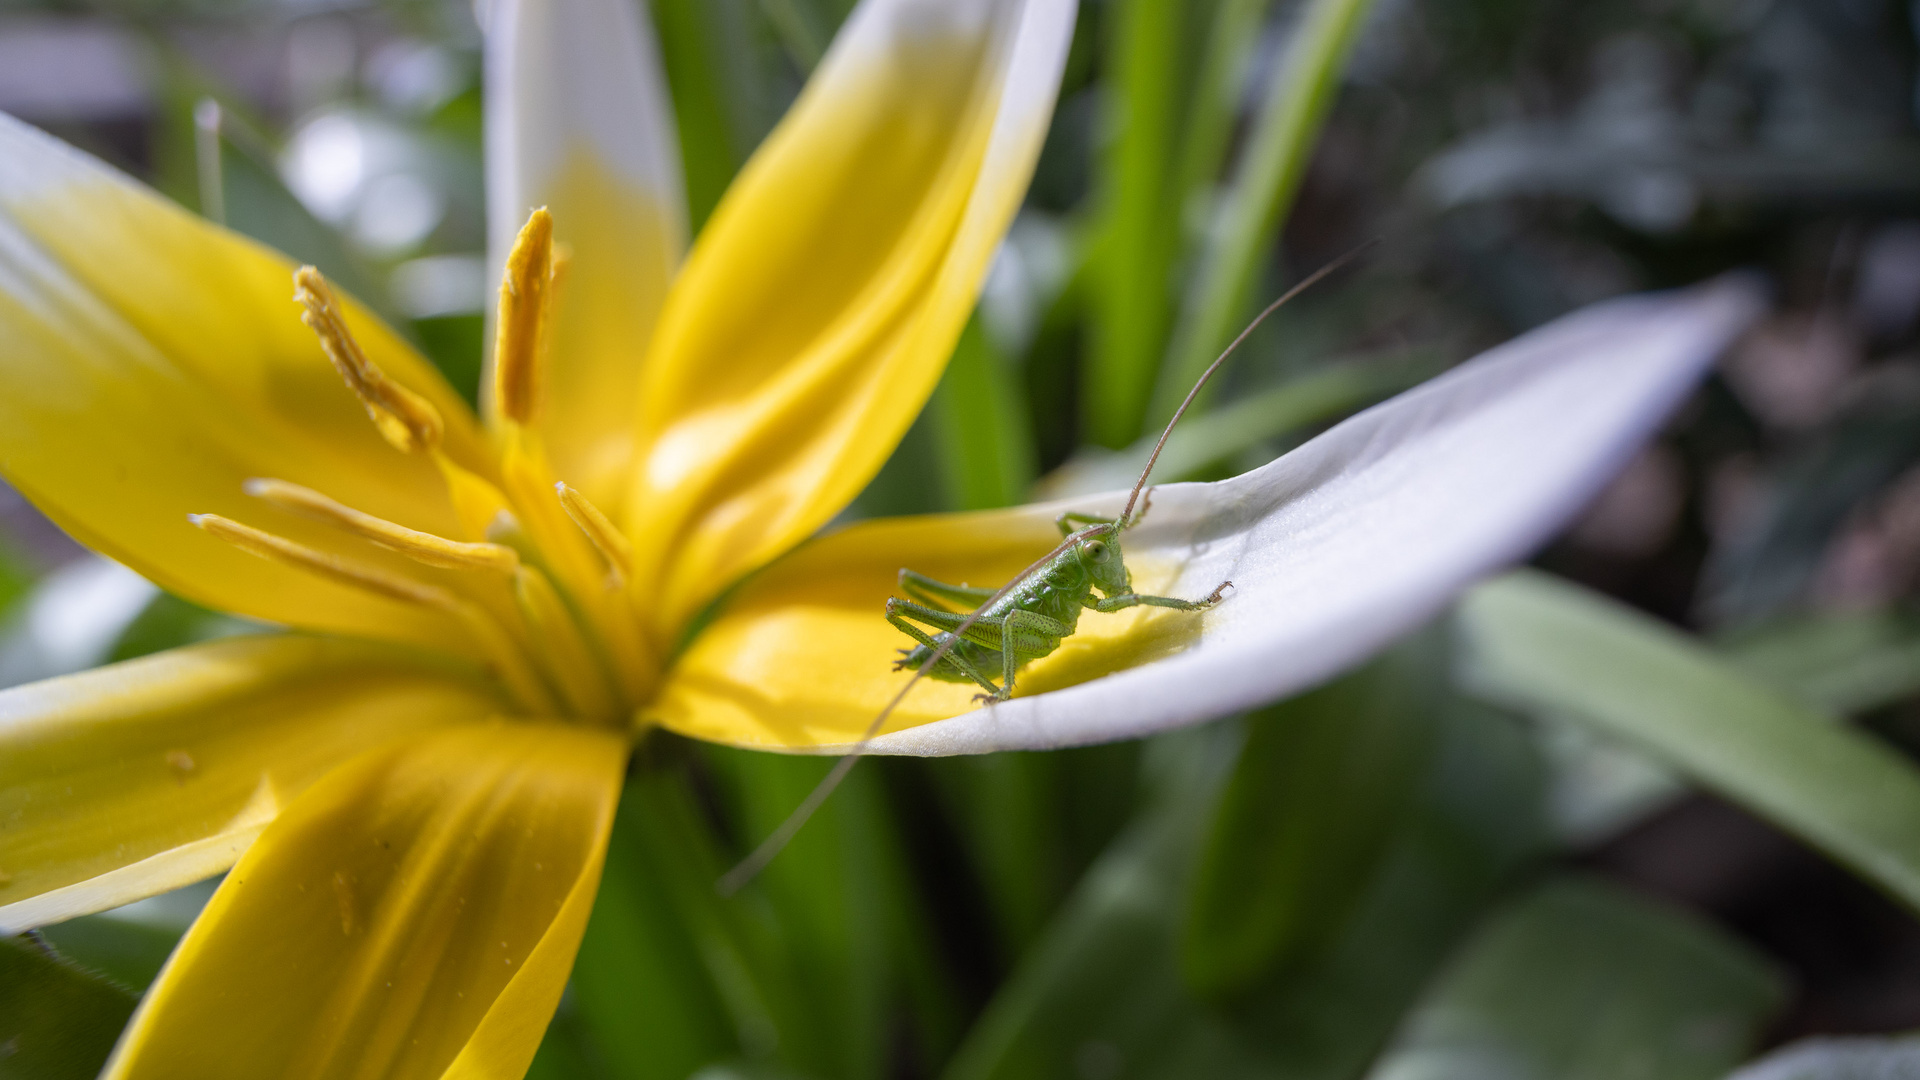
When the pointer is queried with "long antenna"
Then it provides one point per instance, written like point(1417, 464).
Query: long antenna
point(735, 879)
point(1126, 516)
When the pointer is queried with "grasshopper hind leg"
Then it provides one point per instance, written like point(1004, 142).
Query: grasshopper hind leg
point(954, 663)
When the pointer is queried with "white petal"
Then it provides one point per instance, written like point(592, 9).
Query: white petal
point(1371, 529)
point(573, 74)
point(579, 121)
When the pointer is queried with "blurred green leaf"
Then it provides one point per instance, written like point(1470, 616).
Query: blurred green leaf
point(1861, 1058)
point(690, 50)
point(980, 423)
point(457, 346)
point(1583, 981)
point(660, 985)
point(169, 622)
point(1031, 824)
point(1847, 663)
point(129, 952)
point(827, 904)
point(130, 944)
point(1101, 993)
point(15, 579)
point(56, 1020)
point(240, 188)
point(1298, 98)
point(810, 968)
point(1542, 643)
point(1306, 818)
point(1131, 272)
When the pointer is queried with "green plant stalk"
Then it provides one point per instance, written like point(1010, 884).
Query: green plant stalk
point(1139, 239)
point(1297, 101)
point(689, 51)
point(980, 425)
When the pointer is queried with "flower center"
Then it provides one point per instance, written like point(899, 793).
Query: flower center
point(540, 586)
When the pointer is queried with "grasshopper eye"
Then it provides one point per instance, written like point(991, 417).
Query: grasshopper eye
point(1098, 552)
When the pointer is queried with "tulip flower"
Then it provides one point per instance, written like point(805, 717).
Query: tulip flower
point(412, 786)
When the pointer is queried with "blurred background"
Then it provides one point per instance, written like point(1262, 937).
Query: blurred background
point(1475, 892)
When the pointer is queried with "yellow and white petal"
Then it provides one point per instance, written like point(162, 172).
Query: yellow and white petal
point(579, 121)
point(1334, 550)
point(822, 300)
point(129, 780)
point(151, 363)
point(414, 914)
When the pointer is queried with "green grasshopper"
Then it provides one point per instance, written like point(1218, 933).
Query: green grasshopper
point(1030, 616)
point(1023, 620)
point(1006, 629)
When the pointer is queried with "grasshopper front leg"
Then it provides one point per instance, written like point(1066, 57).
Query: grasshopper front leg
point(1066, 521)
point(1127, 600)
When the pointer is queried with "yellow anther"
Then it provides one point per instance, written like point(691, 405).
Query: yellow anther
point(282, 550)
point(607, 539)
point(525, 290)
point(418, 546)
point(407, 420)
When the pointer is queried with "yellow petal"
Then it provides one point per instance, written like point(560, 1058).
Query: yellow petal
point(140, 777)
point(578, 121)
point(150, 364)
point(414, 914)
point(820, 304)
point(802, 658)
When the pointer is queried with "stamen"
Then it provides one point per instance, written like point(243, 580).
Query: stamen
point(419, 546)
point(407, 420)
point(282, 550)
point(494, 642)
point(607, 539)
point(524, 293)
point(561, 643)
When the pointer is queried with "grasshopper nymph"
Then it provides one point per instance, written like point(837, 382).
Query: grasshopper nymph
point(1031, 619)
point(1023, 620)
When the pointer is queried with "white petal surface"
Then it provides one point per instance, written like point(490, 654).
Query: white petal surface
point(1371, 529)
point(579, 120)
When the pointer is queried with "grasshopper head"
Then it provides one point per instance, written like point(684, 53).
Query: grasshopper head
point(1099, 551)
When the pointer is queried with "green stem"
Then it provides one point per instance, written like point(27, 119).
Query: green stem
point(1296, 106)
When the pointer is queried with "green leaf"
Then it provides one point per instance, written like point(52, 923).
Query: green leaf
point(1299, 96)
point(1131, 280)
point(56, 1020)
point(980, 422)
point(660, 988)
point(15, 579)
point(1583, 981)
point(1850, 663)
point(1305, 820)
point(1868, 1058)
point(1541, 643)
point(1101, 993)
point(690, 51)
point(169, 622)
point(1031, 824)
point(812, 968)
